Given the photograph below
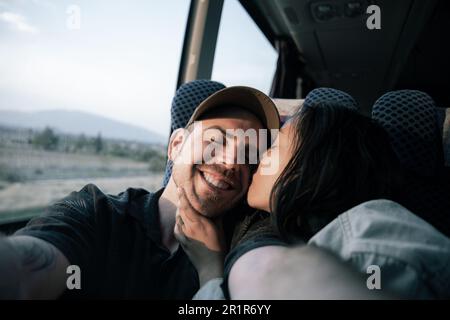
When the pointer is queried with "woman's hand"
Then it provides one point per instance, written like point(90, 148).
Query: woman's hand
point(202, 239)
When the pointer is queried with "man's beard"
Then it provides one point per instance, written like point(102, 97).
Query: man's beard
point(207, 203)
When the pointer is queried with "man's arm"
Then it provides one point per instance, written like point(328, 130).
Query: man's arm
point(31, 268)
point(302, 272)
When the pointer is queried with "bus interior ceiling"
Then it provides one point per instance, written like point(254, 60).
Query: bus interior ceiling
point(338, 50)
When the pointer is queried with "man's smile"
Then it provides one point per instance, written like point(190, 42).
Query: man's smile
point(215, 180)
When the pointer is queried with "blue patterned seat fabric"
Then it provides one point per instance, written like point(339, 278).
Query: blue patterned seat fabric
point(334, 96)
point(411, 121)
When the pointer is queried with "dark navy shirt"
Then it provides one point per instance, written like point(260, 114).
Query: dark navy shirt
point(116, 242)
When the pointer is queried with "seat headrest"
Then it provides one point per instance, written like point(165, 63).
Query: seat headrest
point(287, 107)
point(188, 97)
point(409, 117)
point(330, 95)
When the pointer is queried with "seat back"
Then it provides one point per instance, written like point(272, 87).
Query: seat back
point(410, 119)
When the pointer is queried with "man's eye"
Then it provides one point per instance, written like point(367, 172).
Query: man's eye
point(216, 140)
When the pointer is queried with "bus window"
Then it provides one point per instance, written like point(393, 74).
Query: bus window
point(243, 56)
point(85, 93)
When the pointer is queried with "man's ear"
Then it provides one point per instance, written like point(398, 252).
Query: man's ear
point(176, 142)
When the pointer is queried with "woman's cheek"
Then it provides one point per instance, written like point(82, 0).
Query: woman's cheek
point(253, 192)
point(259, 192)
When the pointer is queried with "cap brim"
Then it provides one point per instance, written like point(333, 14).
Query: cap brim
point(247, 98)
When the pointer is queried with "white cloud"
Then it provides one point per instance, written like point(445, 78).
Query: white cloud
point(24, 3)
point(18, 22)
point(43, 3)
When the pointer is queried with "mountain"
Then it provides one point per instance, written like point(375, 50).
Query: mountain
point(77, 122)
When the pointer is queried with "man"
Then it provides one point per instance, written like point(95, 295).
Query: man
point(124, 246)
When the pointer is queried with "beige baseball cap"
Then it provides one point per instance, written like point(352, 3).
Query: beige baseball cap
point(246, 98)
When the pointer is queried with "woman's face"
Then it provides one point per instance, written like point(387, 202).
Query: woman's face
point(276, 158)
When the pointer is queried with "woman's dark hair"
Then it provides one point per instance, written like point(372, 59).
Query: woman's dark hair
point(340, 159)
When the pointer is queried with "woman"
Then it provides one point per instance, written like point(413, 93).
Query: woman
point(330, 159)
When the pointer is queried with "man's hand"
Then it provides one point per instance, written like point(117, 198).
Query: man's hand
point(202, 239)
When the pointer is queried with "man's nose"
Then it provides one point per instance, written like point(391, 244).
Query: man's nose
point(229, 155)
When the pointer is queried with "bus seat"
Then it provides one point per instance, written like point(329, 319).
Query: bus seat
point(287, 107)
point(186, 99)
point(409, 117)
point(330, 95)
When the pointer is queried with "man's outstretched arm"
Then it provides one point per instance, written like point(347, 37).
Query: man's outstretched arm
point(31, 268)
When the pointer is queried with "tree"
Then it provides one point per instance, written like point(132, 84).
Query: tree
point(46, 139)
point(98, 143)
point(81, 142)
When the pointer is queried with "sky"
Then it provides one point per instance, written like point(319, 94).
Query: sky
point(120, 59)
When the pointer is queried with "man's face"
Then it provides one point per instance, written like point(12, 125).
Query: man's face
point(206, 162)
